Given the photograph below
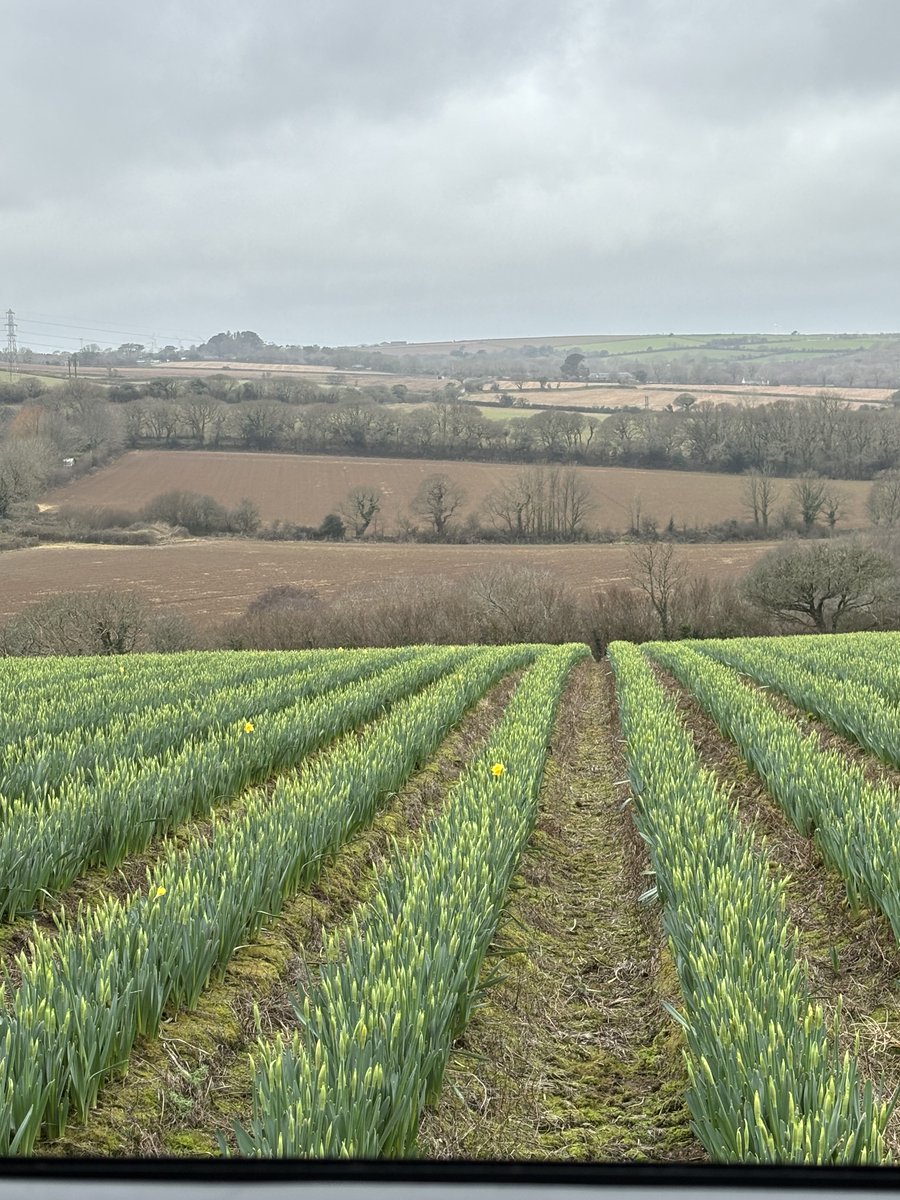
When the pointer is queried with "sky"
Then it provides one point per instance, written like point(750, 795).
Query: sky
point(349, 172)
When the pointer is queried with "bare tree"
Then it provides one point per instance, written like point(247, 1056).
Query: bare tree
point(659, 574)
point(509, 506)
point(759, 493)
point(809, 495)
point(883, 502)
point(438, 498)
point(817, 584)
point(25, 466)
point(161, 422)
point(541, 502)
point(832, 504)
point(634, 515)
point(196, 413)
point(570, 502)
point(359, 508)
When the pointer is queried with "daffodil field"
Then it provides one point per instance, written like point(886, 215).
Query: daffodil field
point(162, 816)
point(267, 764)
point(376, 1032)
point(770, 1078)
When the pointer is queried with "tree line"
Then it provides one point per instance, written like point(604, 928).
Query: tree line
point(820, 437)
point(823, 434)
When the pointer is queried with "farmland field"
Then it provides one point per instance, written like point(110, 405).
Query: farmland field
point(495, 902)
point(216, 578)
point(656, 397)
point(303, 488)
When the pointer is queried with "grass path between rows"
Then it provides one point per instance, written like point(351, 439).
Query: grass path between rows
point(571, 1055)
point(194, 1078)
point(856, 957)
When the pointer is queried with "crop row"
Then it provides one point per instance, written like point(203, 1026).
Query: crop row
point(142, 717)
point(377, 1027)
point(767, 1082)
point(35, 768)
point(45, 846)
point(823, 793)
point(850, 706)
point(869, 658)
point(57, 696)
point(85, 994)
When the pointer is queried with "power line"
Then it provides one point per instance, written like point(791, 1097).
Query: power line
point(103, 327)
point(28, 344)
point(64, 337)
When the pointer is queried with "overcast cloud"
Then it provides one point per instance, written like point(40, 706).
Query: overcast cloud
point(345, 171)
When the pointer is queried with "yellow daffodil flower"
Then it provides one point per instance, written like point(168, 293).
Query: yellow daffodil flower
point(248, 727)
point(160, 891)
point(497, 770)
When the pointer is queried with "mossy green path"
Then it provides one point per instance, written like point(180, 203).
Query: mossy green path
point(571, 1054)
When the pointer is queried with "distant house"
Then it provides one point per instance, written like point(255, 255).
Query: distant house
point(68, 462)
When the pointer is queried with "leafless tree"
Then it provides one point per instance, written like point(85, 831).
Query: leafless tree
point(437, 499)
point(25, 466)
point(161, 422)
point(541, 502)
point(832, 504)
point(883, 503)
point(809, 495)
point(659, 574)
point(360, 507)
point(759, 493)
point(196, 413)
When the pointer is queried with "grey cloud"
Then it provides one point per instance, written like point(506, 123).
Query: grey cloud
point(350, 171)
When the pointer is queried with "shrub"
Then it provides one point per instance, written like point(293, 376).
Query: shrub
point(102, 622)
point(197, 513)
point(283, 597)
point(331, 529)
point(95, 516)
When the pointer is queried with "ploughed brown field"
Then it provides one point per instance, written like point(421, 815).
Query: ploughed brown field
point(214, 579)
point(303, 488)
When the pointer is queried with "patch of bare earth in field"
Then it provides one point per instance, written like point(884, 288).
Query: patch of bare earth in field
point(305, 487)
point(215, 579)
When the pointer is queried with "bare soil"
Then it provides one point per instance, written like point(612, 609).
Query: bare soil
point(215, 579)
point(303, 488)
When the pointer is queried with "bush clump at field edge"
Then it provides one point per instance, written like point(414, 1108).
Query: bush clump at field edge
point(202, 515)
